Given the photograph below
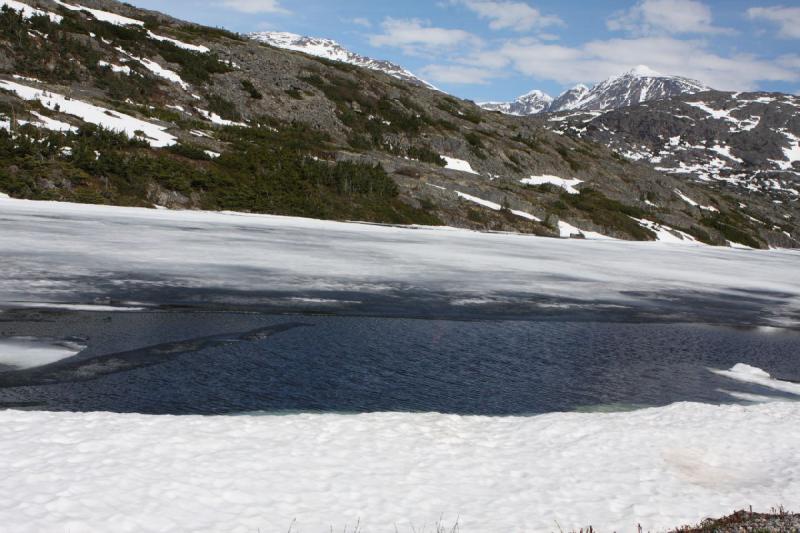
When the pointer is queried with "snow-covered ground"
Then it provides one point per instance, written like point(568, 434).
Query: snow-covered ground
point(58, 252)
point(657, 467)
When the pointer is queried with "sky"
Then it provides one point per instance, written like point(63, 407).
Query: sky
point(499, 49)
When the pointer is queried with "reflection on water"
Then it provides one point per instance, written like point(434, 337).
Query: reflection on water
point(213, 363)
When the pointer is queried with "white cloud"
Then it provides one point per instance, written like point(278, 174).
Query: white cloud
point(361, 21)
point(650, 17)
point(787, 19)
point(458, 74)
point(597, 60)
point(256, 6)
point(415, 36)
point(518, 16)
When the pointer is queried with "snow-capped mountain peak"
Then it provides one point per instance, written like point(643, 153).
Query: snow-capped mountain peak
point(531, 103)
point(330, 49)
point(643, 71)
point(638, 85)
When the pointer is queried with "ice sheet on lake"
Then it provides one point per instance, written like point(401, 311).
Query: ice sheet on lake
point(660, 468)
point(757, 376)
point(71, 253)
point(30, 352)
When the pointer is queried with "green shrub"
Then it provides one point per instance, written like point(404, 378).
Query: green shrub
point(250, 89)
point(426, 155)
point(608, 213)
point(222, 107)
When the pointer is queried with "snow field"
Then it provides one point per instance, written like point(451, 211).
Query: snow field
point(660, 468)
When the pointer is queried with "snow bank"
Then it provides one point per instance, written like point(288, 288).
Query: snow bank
point(51, 251)
point(657, 467)
point(29, 352)
point(113, 120)
point(458, 164)
point(104, 16)
point(567, 185)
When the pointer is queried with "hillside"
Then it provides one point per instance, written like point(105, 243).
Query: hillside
point(106, 103)
point(741, 145)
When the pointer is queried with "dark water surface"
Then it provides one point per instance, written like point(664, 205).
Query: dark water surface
point(222, 363)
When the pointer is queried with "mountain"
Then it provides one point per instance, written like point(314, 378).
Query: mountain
point(741, 144)
point(101, 102)
point(640, 84)
point(332, 50)
point(570, 99)
point(528, 104)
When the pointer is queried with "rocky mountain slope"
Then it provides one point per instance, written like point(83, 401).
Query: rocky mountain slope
point(105, 103)
point(639, 85)
point(328, 49)
point(745, 145)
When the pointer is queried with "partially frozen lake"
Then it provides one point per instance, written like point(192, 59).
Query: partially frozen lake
point(233, 313)
point(227, 363)
point(362, 359)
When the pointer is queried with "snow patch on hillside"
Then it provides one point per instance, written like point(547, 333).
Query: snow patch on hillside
point(120, 69)
point(155, 135)
point(458, 164)
point(566, 184)
point(665, 233)
point(216, 119)
point(104, 16)
point(156, 69)
point(51, 123)
point(28, 11)
point(180, 44)
point(695, 204)
point(495, 206)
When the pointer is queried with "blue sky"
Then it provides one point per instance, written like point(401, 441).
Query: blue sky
point(499, 49)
